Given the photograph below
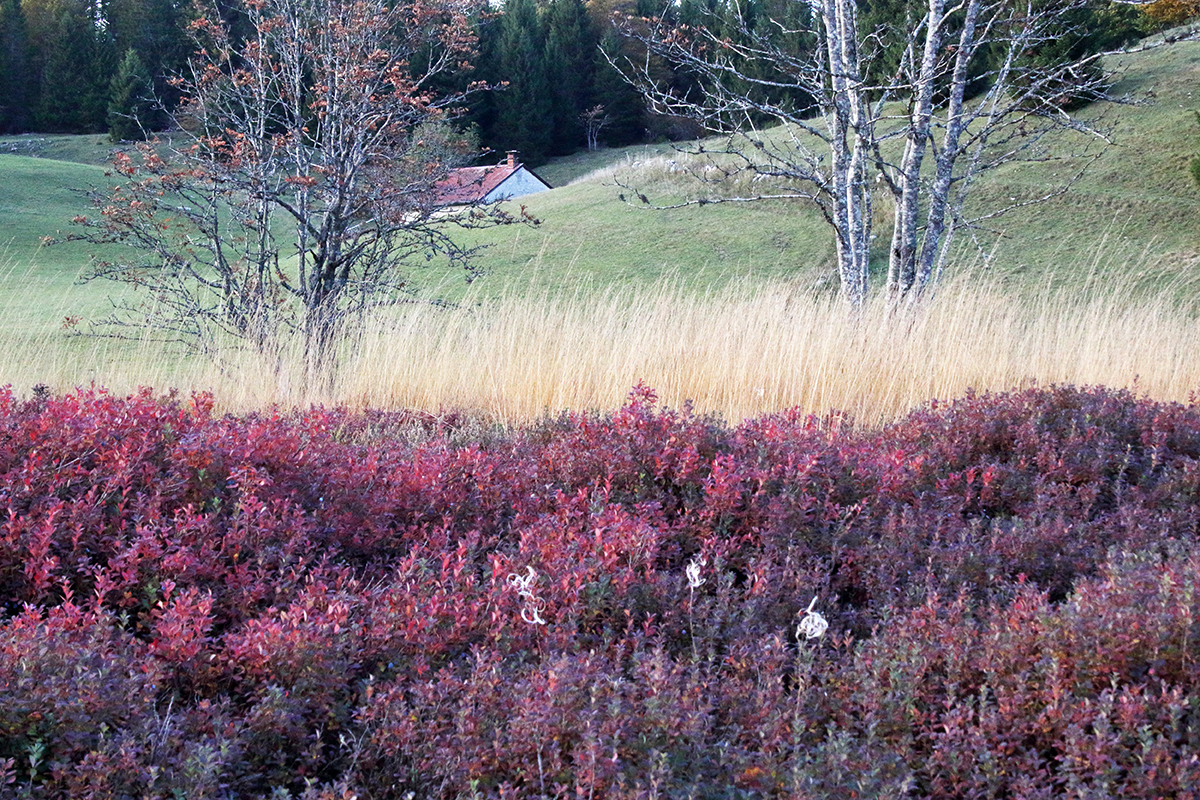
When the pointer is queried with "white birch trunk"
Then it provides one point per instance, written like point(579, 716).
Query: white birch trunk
point(903, 255)
point(962, 139)
point(937, 237)
point(850, 128)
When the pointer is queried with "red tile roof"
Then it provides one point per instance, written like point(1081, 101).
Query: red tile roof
point(471, 184)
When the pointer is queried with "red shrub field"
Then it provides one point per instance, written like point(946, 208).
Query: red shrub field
point(336, 604)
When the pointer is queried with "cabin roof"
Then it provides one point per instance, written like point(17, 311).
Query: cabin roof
point(474, 184)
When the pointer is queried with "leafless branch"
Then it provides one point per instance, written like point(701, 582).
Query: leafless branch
point(912, 132)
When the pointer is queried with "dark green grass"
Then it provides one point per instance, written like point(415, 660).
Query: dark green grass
point(38, 198)
point(588, 236)
point(38, 284)
point(1136, 209)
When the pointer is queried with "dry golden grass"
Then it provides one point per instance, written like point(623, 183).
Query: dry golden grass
point(744, 351)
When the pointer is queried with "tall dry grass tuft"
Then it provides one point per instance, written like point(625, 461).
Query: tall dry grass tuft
point(739, 352)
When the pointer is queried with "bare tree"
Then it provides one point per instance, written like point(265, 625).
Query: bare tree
point(307, 181)
point(854, 126)
point(594, 120)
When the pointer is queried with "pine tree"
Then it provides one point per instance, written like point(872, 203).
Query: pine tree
point(14, 68)
point(481, 110)
point(75, 78)
point(131, 106)
point(569, 58)
point(73, 64)
point(623, 105)
point(41, 25)
point(524, 119)
point(156, 30)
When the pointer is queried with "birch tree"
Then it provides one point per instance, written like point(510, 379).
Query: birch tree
point(913, 133)
point(306, 182)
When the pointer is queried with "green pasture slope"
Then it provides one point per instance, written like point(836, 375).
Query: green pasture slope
point(38, 198)
point(1136, 210)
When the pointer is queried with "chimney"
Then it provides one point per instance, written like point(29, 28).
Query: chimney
point(512, 159)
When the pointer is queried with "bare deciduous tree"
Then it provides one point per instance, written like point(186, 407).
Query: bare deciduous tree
point(306, 183)
point(854, 126)
point(594, 120)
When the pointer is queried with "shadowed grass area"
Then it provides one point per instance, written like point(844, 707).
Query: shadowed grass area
point(38, 198)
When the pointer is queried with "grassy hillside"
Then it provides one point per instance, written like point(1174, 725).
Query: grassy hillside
point(38, 197)
point(1135, 208)
point(726, 305)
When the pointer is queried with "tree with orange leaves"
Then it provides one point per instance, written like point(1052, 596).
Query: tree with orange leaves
point(1171, 12)
point(305, 186)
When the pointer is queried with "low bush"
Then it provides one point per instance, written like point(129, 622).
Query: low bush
point(330, 604)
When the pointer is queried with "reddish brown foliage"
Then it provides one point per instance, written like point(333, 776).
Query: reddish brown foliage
point(230, 607)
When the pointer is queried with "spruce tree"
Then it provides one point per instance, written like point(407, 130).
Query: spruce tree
point(570, 53)
point(481, 110)
point(131, 106)
point(623, 105)
point(14, 68)
point(156, 30)
point(77, 67)
point(41, 26)
point(524, 121)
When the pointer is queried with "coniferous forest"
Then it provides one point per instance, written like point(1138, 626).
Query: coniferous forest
point(80, 66)
point(94, 66)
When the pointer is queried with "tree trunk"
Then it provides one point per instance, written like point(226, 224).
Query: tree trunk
point(902, 262)
point(851, 129)
point(937, 235)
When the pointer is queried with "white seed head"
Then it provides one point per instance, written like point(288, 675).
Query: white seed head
point(812, 625)
point(533, 615)
point(692, 570)
point(523, 583)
